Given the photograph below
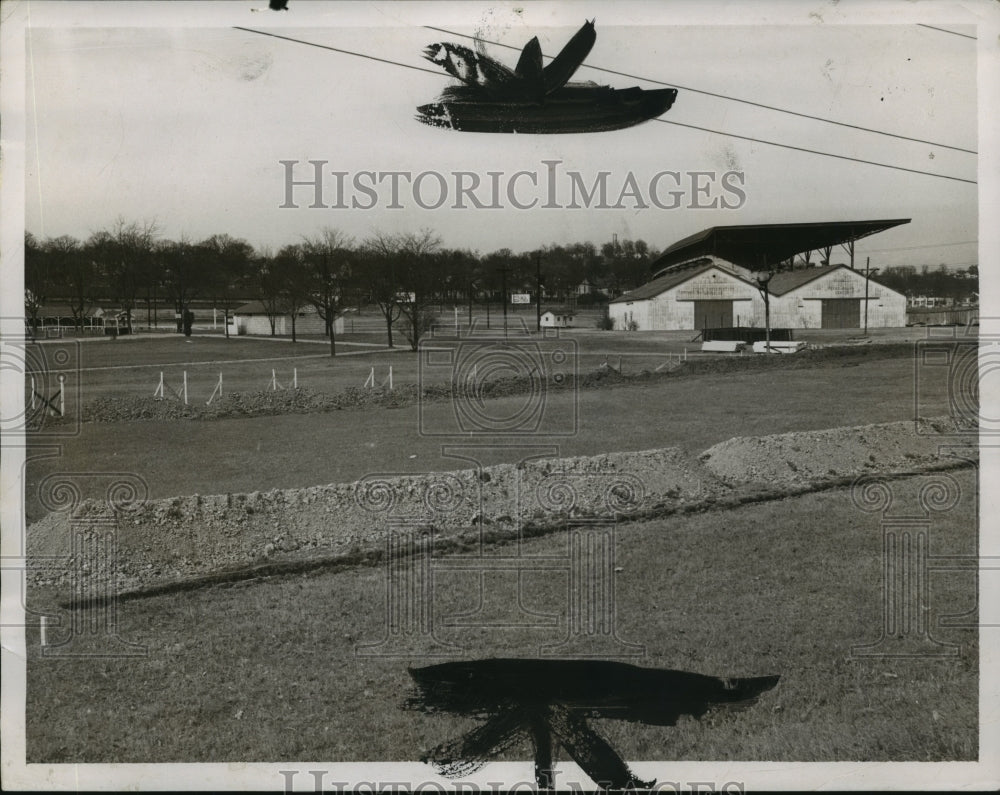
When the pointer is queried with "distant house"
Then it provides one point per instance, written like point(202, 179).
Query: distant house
point(561, 317)
point(254, 320)
point(584, 287)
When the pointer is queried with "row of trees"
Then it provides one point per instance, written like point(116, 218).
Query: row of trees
point(941, 282)
point(129, 264)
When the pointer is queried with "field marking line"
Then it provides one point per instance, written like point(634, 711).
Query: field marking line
point(255, 338)
point(216, 361)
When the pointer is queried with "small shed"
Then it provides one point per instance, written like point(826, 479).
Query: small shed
point(254, 319)
point(561, 317)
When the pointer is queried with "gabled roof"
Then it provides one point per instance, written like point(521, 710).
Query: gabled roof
point(670, 280)
point(786, 281)
point(252, 308)
point(754, 245)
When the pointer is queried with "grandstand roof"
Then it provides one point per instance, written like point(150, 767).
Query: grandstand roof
point(668, 280)
point(756, 245)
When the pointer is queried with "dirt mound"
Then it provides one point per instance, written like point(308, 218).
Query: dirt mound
point(186, 537)
point(809, 456)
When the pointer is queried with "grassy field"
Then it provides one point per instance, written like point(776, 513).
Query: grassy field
point(259, 453)
point(267, 670)
point(132, 365)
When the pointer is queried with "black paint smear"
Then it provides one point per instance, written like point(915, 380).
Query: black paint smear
point(541, 698)
point(278, 5)
point(533, 98)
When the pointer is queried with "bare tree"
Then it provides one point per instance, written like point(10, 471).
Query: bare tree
point(125, 252)
point(380, 261)
point(328, 258)
point(76, 275)
point(181, 272)
point(228, 263)
point(294, 274)
point(38, 279)
point(267, 284)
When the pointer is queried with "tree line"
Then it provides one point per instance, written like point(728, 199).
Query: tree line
point(940, 282)
point(404, 274)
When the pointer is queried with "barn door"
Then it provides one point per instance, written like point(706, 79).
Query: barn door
point(841, 313)
point(713, 314)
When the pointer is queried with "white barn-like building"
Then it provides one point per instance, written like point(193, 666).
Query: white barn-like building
point(697, 288)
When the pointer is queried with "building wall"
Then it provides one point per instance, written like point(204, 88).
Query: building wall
point(556, 320)
point(260, 326)
point(803, 308)
point(673, 309)
point(800, 308)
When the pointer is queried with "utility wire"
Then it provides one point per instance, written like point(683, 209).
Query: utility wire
point(731, 99)
point(663, 121)
point(944, 30)
point(934, 245)
point(337, 49)
point(816, 151)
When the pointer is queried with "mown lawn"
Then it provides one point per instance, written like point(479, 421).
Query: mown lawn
point(239, 455)
point(267, 670)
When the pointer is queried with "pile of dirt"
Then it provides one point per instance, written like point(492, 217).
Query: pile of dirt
point(836, 453)
point(186, 537)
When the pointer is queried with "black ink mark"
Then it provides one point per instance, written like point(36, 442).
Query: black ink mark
point(533, 98)
point(541, 698)
point(278, 5)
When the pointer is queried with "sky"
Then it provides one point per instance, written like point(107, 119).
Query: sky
point(187, 124)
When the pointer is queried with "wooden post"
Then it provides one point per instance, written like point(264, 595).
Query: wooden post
point(62, 395)
point(185, 387)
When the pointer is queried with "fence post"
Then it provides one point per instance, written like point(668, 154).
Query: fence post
point(295, 377)
point(185, 387)
point(32, 393)
point(62, 395)
point(390, 378)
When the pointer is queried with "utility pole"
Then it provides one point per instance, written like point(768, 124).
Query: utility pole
point(503, 296)
point(868, 261)
point(538, 292)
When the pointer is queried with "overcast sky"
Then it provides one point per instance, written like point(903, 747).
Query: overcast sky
point(186, 125)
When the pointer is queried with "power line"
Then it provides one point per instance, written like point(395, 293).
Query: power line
point(337, 49)
point(731, 99)
point(944, 30)
point(816, 152)
point(663, 121)
point(914, 248)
